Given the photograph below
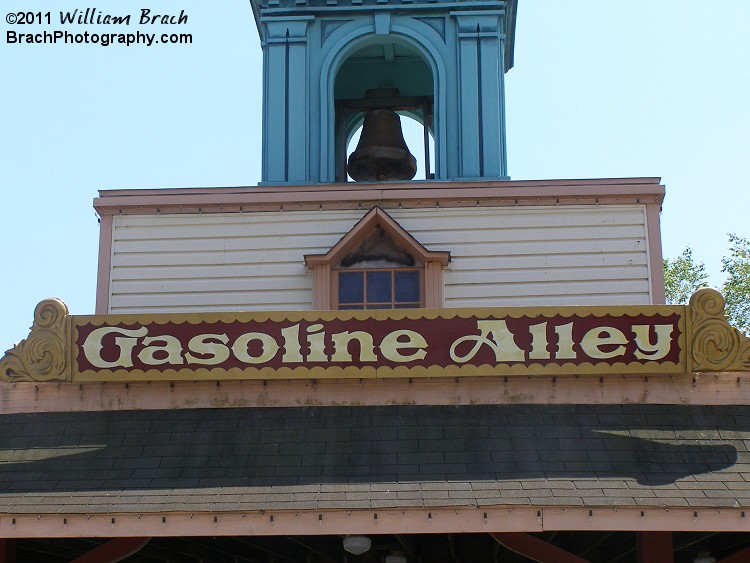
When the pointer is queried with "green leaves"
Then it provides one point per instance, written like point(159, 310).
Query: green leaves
point(736, 288)
point(683, 275)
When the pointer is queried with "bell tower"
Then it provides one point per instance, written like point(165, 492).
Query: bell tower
point(329, 63)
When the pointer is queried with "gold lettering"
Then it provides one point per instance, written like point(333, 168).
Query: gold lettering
point(292, 347)
point(494, 334)
point(171, 346)
point(657, 350)
point(539, 342)
point(92, 347)
point(565, 342)
point(341, 342)
point(269, 347)
point(391, 345)
point(603, 336)
point(207, 345)
point(316, 342)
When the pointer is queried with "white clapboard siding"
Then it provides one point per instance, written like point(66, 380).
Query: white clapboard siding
point(504, 256)
point(279, 283)
point(545, 275)
point(513, 290)
point(202, 271)
point(174, 300)
point(558, 299)
point(554, 262)
point(219, 262)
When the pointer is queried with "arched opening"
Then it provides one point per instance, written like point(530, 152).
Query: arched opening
point(388, 74)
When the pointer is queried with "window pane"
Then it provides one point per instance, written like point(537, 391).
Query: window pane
point(407, 287)
point(351, 287)
point(379, 287)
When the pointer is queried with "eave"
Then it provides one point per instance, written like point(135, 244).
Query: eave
point(600, 191)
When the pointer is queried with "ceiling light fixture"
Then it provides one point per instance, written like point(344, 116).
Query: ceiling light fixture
point(704, 557)
point(357, 545)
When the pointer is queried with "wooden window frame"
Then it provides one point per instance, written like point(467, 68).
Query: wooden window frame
point(323, 266)
point(335, 284)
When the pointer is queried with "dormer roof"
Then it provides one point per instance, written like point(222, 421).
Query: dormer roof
point(374, 218)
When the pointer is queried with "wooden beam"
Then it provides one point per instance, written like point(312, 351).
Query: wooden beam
point(113, 551)
point(7, 550)
point(654, 547)
point(535, 549)
point(741, 556)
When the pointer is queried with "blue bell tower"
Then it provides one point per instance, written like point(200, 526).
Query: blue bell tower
point(326, 63)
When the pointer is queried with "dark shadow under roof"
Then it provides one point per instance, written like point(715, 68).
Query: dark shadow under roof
point(375, 457)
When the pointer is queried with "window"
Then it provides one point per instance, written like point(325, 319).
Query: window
point(377, 265)
point(379, 289)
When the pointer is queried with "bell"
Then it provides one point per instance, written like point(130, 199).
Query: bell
point(381, 153)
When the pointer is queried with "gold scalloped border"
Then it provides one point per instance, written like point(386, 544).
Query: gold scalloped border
point(370, 372)
point(381, 314)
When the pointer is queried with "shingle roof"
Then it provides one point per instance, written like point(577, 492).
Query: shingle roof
point(375, 457)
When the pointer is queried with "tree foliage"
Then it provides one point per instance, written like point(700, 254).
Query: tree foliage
point(736, 288)
point(682, 276)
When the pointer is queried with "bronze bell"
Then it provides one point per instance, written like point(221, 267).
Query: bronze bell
point(381, 153)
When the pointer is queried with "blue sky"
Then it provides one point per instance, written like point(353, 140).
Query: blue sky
point(600, 88)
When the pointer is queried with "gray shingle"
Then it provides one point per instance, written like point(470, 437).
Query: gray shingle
point(376, 457)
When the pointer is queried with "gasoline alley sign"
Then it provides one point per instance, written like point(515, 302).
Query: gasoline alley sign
point(350, 344)
point(658, 339)
point(376, 347)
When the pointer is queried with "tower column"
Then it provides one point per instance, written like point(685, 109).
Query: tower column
point(285, 100)
point(480, 71)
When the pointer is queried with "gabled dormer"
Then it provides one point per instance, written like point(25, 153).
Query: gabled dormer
point(377, 265)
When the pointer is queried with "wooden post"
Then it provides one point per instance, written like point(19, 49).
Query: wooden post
point(7, 550)
point(536, 549)
point(654, 547)
point(112, 551)
point(740, 557)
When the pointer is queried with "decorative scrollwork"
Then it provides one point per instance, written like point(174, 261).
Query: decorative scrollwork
point(43, 355)
point(715, 344)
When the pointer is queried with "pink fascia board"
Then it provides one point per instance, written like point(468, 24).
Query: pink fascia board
point(527, 192)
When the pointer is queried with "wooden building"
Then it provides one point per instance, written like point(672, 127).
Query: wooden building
point(450, 369)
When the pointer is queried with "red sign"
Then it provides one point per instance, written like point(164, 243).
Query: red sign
point(414, 343)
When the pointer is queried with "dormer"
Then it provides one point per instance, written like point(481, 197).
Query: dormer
point(377, 265)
